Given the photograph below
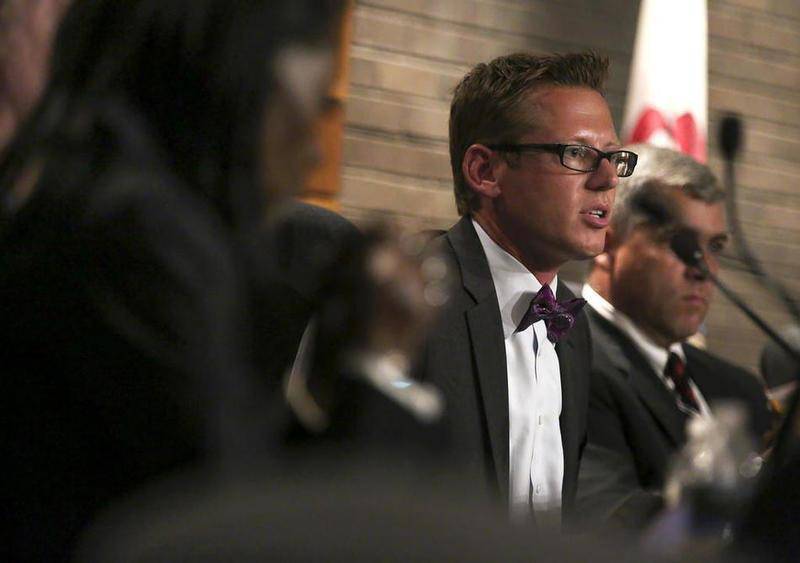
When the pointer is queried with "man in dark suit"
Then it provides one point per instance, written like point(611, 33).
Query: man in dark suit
point(647, 382)
point(535, 161)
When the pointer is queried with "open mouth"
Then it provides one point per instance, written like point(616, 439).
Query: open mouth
point(597, 217)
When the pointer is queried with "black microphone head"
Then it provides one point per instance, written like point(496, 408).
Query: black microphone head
point(685, 245)
point(730, 135)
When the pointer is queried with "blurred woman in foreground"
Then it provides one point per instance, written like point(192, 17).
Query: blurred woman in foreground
point(124, 202)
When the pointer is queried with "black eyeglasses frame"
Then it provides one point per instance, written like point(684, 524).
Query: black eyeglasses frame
point(560, 149)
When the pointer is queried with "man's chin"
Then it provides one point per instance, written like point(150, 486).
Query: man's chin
point(685, 330)
point(589, 251)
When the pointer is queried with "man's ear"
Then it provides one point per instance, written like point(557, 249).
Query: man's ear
point(478, 168)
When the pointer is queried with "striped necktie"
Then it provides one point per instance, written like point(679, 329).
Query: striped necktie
point(676, 371)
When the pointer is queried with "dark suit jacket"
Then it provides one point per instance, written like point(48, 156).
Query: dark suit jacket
point(635, 425)
point(466, 359)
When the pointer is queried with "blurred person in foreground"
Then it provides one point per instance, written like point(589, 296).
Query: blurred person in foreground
point(769, 529)
point(165, 133)
point(535, 160)
point(26, 32)
point(647, 382)
point(294, 256)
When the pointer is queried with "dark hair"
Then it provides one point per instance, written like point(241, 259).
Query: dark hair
point(197, 74)
point(487, 103)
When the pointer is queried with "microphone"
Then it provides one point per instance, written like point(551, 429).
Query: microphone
point(684, 243)
point(730, 140)
point(730, 136)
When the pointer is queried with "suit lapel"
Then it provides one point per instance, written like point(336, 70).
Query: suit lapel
point(565, 349)
point(486, 340)
point(651, 390)
point(713, 384)
point(568, 422)
point(490, 362)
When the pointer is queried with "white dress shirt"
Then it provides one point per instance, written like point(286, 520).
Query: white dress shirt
point(655, 355)
point(536, 455)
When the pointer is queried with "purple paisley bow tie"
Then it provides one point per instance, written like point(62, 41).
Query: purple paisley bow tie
point(558, 317)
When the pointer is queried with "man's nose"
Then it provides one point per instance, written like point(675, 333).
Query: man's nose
point(712, 267)
point(696, 274)
point(604, 177)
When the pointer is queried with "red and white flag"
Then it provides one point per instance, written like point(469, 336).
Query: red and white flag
point(667, 101)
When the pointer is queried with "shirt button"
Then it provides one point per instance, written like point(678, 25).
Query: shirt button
point(538, 489)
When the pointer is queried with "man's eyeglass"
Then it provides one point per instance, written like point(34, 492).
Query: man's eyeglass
point(580, 158)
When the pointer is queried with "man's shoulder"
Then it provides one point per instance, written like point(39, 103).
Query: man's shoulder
point(442, 240)
point(705, 362)
point(719, 380)
point(601, 325)
point(711, 362)
point(460, 238)
point(461, 247)
point(609, 341)
point(615, 357)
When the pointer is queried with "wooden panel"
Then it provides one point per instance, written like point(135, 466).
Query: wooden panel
point(754, 105)
point(431, 39)
point(396, 157)
point(442, 41)
point(752, 69)
point(410, 75)
point(398, 74)
point(560, 25)
point(393, 195)
point(773, 8)
point(372, 112)
point(767, 91)
point(749, 28)
point(764, 174)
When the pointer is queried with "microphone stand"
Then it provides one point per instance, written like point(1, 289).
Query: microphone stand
point(784, 444)
point(730, 140)
point(736, 300)
point(684, 244)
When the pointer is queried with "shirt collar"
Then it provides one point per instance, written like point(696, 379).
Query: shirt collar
point(656, 355)
point(514, 284)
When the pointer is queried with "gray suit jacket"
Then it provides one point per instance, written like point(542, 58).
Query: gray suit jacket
point(635, 425)
point(465, 358)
